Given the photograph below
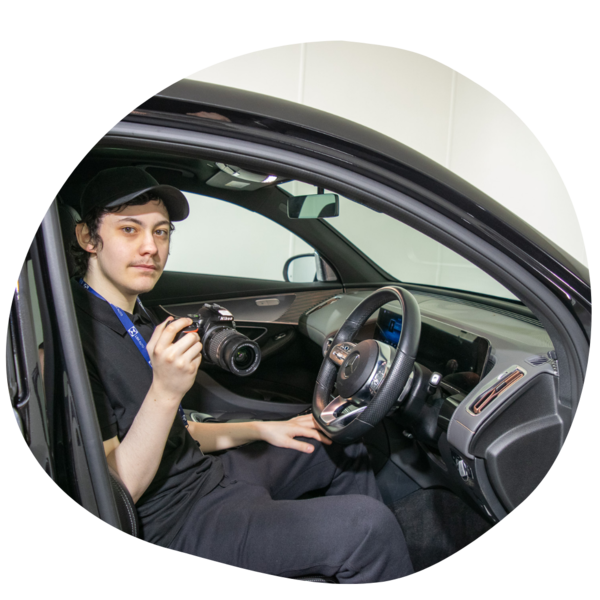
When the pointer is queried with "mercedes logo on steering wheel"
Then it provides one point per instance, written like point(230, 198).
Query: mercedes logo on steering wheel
point(350, 366)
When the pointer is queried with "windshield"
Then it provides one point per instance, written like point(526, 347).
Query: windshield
point(405, 253)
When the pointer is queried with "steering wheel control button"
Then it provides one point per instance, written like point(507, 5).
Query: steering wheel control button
point(377, 379)
point(340, 353)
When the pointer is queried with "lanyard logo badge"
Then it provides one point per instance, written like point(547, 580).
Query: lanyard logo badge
point(132, 331)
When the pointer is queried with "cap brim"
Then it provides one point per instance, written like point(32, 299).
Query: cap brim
point(174, 200)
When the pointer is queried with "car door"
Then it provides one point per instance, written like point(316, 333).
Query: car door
point(48, 381)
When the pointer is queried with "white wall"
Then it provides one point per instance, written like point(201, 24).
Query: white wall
point(427, 106)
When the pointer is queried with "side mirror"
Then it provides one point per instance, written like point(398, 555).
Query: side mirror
point(304, 268)
point(315, 206)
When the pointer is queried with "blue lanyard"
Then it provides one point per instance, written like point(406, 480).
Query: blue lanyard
point(131, 329)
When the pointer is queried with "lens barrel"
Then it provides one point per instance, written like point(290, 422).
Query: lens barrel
point(231, 350)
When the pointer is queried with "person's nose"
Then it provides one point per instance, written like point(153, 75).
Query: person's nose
point(148, 246)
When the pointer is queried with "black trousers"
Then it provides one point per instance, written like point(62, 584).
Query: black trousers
point(254, 520)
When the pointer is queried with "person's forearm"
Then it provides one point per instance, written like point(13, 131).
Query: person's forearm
point(137, 457)
point(221, 436)
point(174, 366)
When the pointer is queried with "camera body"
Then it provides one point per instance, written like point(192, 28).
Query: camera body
point(222, 344)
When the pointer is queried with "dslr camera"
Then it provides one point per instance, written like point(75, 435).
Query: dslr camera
point(222, 344)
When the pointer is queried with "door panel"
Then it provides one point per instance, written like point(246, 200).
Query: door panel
point(187, 288)
point(267, 308)
point(266, 311)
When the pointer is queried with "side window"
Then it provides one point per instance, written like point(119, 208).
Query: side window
point(405, 253)
point(219, 238)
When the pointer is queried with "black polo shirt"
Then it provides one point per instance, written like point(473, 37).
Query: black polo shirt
point(120, 378)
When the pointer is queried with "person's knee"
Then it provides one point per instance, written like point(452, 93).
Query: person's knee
point(379, 549)
point(367, 518)
point(378, 520)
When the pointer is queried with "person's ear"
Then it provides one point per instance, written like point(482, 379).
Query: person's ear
point(83, 237)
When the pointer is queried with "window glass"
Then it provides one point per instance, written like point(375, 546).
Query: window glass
point(219, 238)
point(405, 253)
point(408, 254)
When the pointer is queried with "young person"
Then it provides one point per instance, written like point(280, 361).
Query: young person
point(239, 507)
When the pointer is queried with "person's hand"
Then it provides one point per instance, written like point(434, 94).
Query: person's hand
point(283, 433)
point(174, 365)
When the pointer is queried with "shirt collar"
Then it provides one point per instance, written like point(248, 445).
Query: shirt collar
point(102, 311)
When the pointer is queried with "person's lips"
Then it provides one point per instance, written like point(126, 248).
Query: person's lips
point(145, 267)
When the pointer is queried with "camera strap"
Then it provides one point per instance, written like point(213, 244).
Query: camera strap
point(131, 329)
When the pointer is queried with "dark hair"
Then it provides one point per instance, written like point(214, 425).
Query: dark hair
point(92, 219)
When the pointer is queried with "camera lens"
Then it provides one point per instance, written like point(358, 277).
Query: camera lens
point(231, 350)
point(243, 357)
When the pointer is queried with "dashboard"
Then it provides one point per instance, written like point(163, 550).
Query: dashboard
point(495, 364)
point(457, 336)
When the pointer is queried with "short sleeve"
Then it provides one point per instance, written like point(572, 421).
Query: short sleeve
point(104, 411)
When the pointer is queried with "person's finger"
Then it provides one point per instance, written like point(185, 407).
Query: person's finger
point(310, 424)
point(170, 331)
point(304, 432)
point(299, 445)
point(157, 333)
point(304, 420)
point(194, 351)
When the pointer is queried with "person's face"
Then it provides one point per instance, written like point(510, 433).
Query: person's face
point(134, 248)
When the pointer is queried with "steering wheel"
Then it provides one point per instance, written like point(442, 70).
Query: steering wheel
point(369, 377)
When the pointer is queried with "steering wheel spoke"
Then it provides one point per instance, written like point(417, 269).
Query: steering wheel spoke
point(340, 412)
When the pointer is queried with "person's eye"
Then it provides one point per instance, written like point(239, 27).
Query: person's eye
point(162, 232)
point(128, 229)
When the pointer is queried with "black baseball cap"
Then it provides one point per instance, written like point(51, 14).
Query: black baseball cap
point(116, 186)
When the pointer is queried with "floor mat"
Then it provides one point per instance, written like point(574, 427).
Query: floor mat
point(436, 524)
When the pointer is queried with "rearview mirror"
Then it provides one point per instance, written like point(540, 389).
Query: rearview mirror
point(315, 206)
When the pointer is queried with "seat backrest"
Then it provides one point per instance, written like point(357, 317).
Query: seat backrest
point(125, 505)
